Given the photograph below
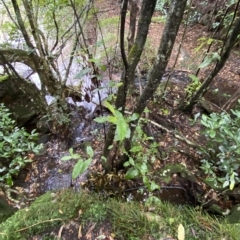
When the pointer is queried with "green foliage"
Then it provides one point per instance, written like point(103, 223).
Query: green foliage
point(193, 86)
point(15, 143)
point(205, 41)
point(121, 122)
point(161, 6)
point(209, 59)
point(140, 160)
point(128, 220)
point(223, 142)
point(81, 165)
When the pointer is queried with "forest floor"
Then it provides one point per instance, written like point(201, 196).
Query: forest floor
point(166, 115)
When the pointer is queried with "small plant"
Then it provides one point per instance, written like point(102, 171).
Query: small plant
point(81, 165)
point(140, 158)
point(162, 5)
point(193, 86)
point(223, 141)
point(15, 143)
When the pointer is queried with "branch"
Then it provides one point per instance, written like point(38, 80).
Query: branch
point(18, 55)
point(122, 32)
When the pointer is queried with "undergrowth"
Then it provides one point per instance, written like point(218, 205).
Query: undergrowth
point(129, 220)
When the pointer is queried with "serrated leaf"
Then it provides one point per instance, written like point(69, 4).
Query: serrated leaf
point(122, 129)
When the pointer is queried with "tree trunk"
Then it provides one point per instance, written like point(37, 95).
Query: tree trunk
point(132, 25)
point(219, 65)
point(133, 58)
point(164, 52)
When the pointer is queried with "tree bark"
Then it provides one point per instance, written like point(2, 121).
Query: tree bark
point(164, 52)
point(219, 65)
point(132, 25)
point(127, 78)
point(168, 38)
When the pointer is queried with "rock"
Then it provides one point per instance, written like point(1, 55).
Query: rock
point(44, 125)
point(15, 100)
point(234, 217)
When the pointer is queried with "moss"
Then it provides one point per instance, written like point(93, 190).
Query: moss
point(48, 211)
point(169, 169)
point(4, 78)
point(129, 220)
point(5, 210)
point(109, 21)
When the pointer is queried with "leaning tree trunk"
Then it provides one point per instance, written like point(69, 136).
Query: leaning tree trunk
point(219, 65)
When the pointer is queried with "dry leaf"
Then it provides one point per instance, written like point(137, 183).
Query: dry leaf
point(80, 231)
point(181, 232)
point(60, 232)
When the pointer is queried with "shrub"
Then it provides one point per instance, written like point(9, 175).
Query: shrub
point(223, 143)
point(15, 143)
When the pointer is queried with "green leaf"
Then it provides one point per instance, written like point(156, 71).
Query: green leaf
point(134, 117)
point(212, 133)
point(122, 129)
point(225, 184)
point(136, 148)
point(181, 232)
point(112, 119)
point(109, 107)
point(77, 169)
point(83, 73)
point(80, 167)
point(85, 165)
point(71, 151)
point(66, 158)
point(126, 164)
point(194, 78)
point(131, 161)
point(131, 173)
point(154, 186)
point(90, 151)
point(101, 119)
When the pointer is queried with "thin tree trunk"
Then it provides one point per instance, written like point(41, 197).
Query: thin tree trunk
point(134, 55)
point(219, 65)
point(132, 25)
point(164, 52)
